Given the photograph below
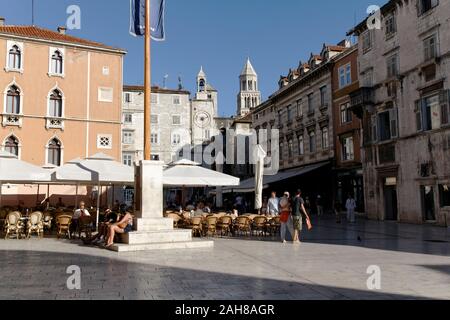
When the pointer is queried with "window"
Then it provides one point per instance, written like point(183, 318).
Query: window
point(430, 47)
point(347, 149)
point(281, 151)
point(310, 103)
point(154, 119)
point(391, 25)
point(13, 100)
point(444, 195)
point(290, 149)
point(301, 146)
point(105, 71)
point(432, 112)
point(127, 159)
point(55, 104)
point(15, 58)
point(312, 142)
point(387, 125)
point(128, 97)
point(54, 152)
point(346, 113)
point(57, 63)
point(250, 85)
point(176, 139)
point(207, 134)
point(280, 118)
point(154, 98)
point(127, 137)
point(176, 100)
point(325, 138)
point(345, 75)
point(323, 97)
point(424, 6)
point(392, 66)
point(202, 85)
point(366, 41)
point(12, 146)
point(154, 138)
point(105, 94)
point(104, 141)
point(289, 113)
point(176, 120)
point(367, 79)
point(299, 108)
point(128, 118)
point(155, 157)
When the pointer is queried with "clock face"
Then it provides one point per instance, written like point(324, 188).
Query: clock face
point(202, 119)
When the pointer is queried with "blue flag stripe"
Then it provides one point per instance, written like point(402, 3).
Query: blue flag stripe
point(137, 18)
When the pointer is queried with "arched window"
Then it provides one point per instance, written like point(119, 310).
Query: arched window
point(13, 100)
point(12, 145)
point(201, 85)
point(57, 63)
point(15, 58)
point(54, 152)
point(55, 104)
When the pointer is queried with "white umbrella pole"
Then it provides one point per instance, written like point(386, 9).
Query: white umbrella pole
point(37, 196)
point(1, 187)
point(98, 206)
point(76, 195)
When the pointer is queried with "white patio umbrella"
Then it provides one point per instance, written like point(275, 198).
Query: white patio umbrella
point(259, 156)
point(98, 170)
point(13, 170)
point(187, 173)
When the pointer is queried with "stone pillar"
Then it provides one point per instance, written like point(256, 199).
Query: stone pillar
point(151, 189)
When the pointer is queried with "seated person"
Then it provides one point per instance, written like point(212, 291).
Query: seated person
point(124, 225)
point(108, 218)
point(81, 212)
point(60, 204)
point(207, 209)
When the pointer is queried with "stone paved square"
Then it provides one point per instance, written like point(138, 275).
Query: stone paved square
point(330, 264)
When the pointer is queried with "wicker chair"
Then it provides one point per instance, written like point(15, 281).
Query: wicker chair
point(176, 219)
point(243, 225)
point(13, 225)
point(63, 225)
point(196, 224)
point(211, 225)
point(85, 225)
point(47, 221)
point(35, 225)
point(275, 225)
point(224, 225)
point(259, 225)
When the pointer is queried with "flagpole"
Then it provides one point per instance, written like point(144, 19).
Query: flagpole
point(147, 85)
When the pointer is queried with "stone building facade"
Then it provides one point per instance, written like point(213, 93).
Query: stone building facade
point(403, 101)
point(347, 130)
point(170, 120)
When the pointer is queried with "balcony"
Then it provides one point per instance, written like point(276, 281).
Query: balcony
point(360, 99)
point(324, 108)
point(54, 123)
point(12, 120)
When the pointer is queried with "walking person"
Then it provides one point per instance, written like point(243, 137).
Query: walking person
point(285, 217)
point(319, 206)
point(298, 210)
point(350, 206)
point(273, 205)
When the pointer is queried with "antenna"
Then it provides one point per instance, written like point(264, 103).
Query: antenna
point(180, 83)
point(164, 81)
point(32, 12)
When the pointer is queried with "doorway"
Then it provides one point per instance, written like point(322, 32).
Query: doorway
point(390, 203)
point(428, 205)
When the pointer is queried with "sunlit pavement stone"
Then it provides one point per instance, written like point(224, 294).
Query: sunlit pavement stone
point(331, 263)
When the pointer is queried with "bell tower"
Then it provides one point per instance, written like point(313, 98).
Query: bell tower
point(249, 96)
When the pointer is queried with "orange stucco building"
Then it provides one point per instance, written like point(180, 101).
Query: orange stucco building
point(60, 95)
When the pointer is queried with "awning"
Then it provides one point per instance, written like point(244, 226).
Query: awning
point(248, 185)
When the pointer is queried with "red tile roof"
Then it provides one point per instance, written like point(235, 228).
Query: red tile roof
point(48, 35)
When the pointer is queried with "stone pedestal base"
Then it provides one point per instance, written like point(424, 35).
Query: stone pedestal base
point(153, 231)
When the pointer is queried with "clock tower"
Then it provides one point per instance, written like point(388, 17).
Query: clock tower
point(204, 110)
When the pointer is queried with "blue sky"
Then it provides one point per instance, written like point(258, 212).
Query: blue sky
point(219, 35)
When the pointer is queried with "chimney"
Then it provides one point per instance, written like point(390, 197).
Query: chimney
point(2, 21)
point(62, 30)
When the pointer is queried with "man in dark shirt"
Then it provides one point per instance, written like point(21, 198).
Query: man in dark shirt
point(298, 210)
